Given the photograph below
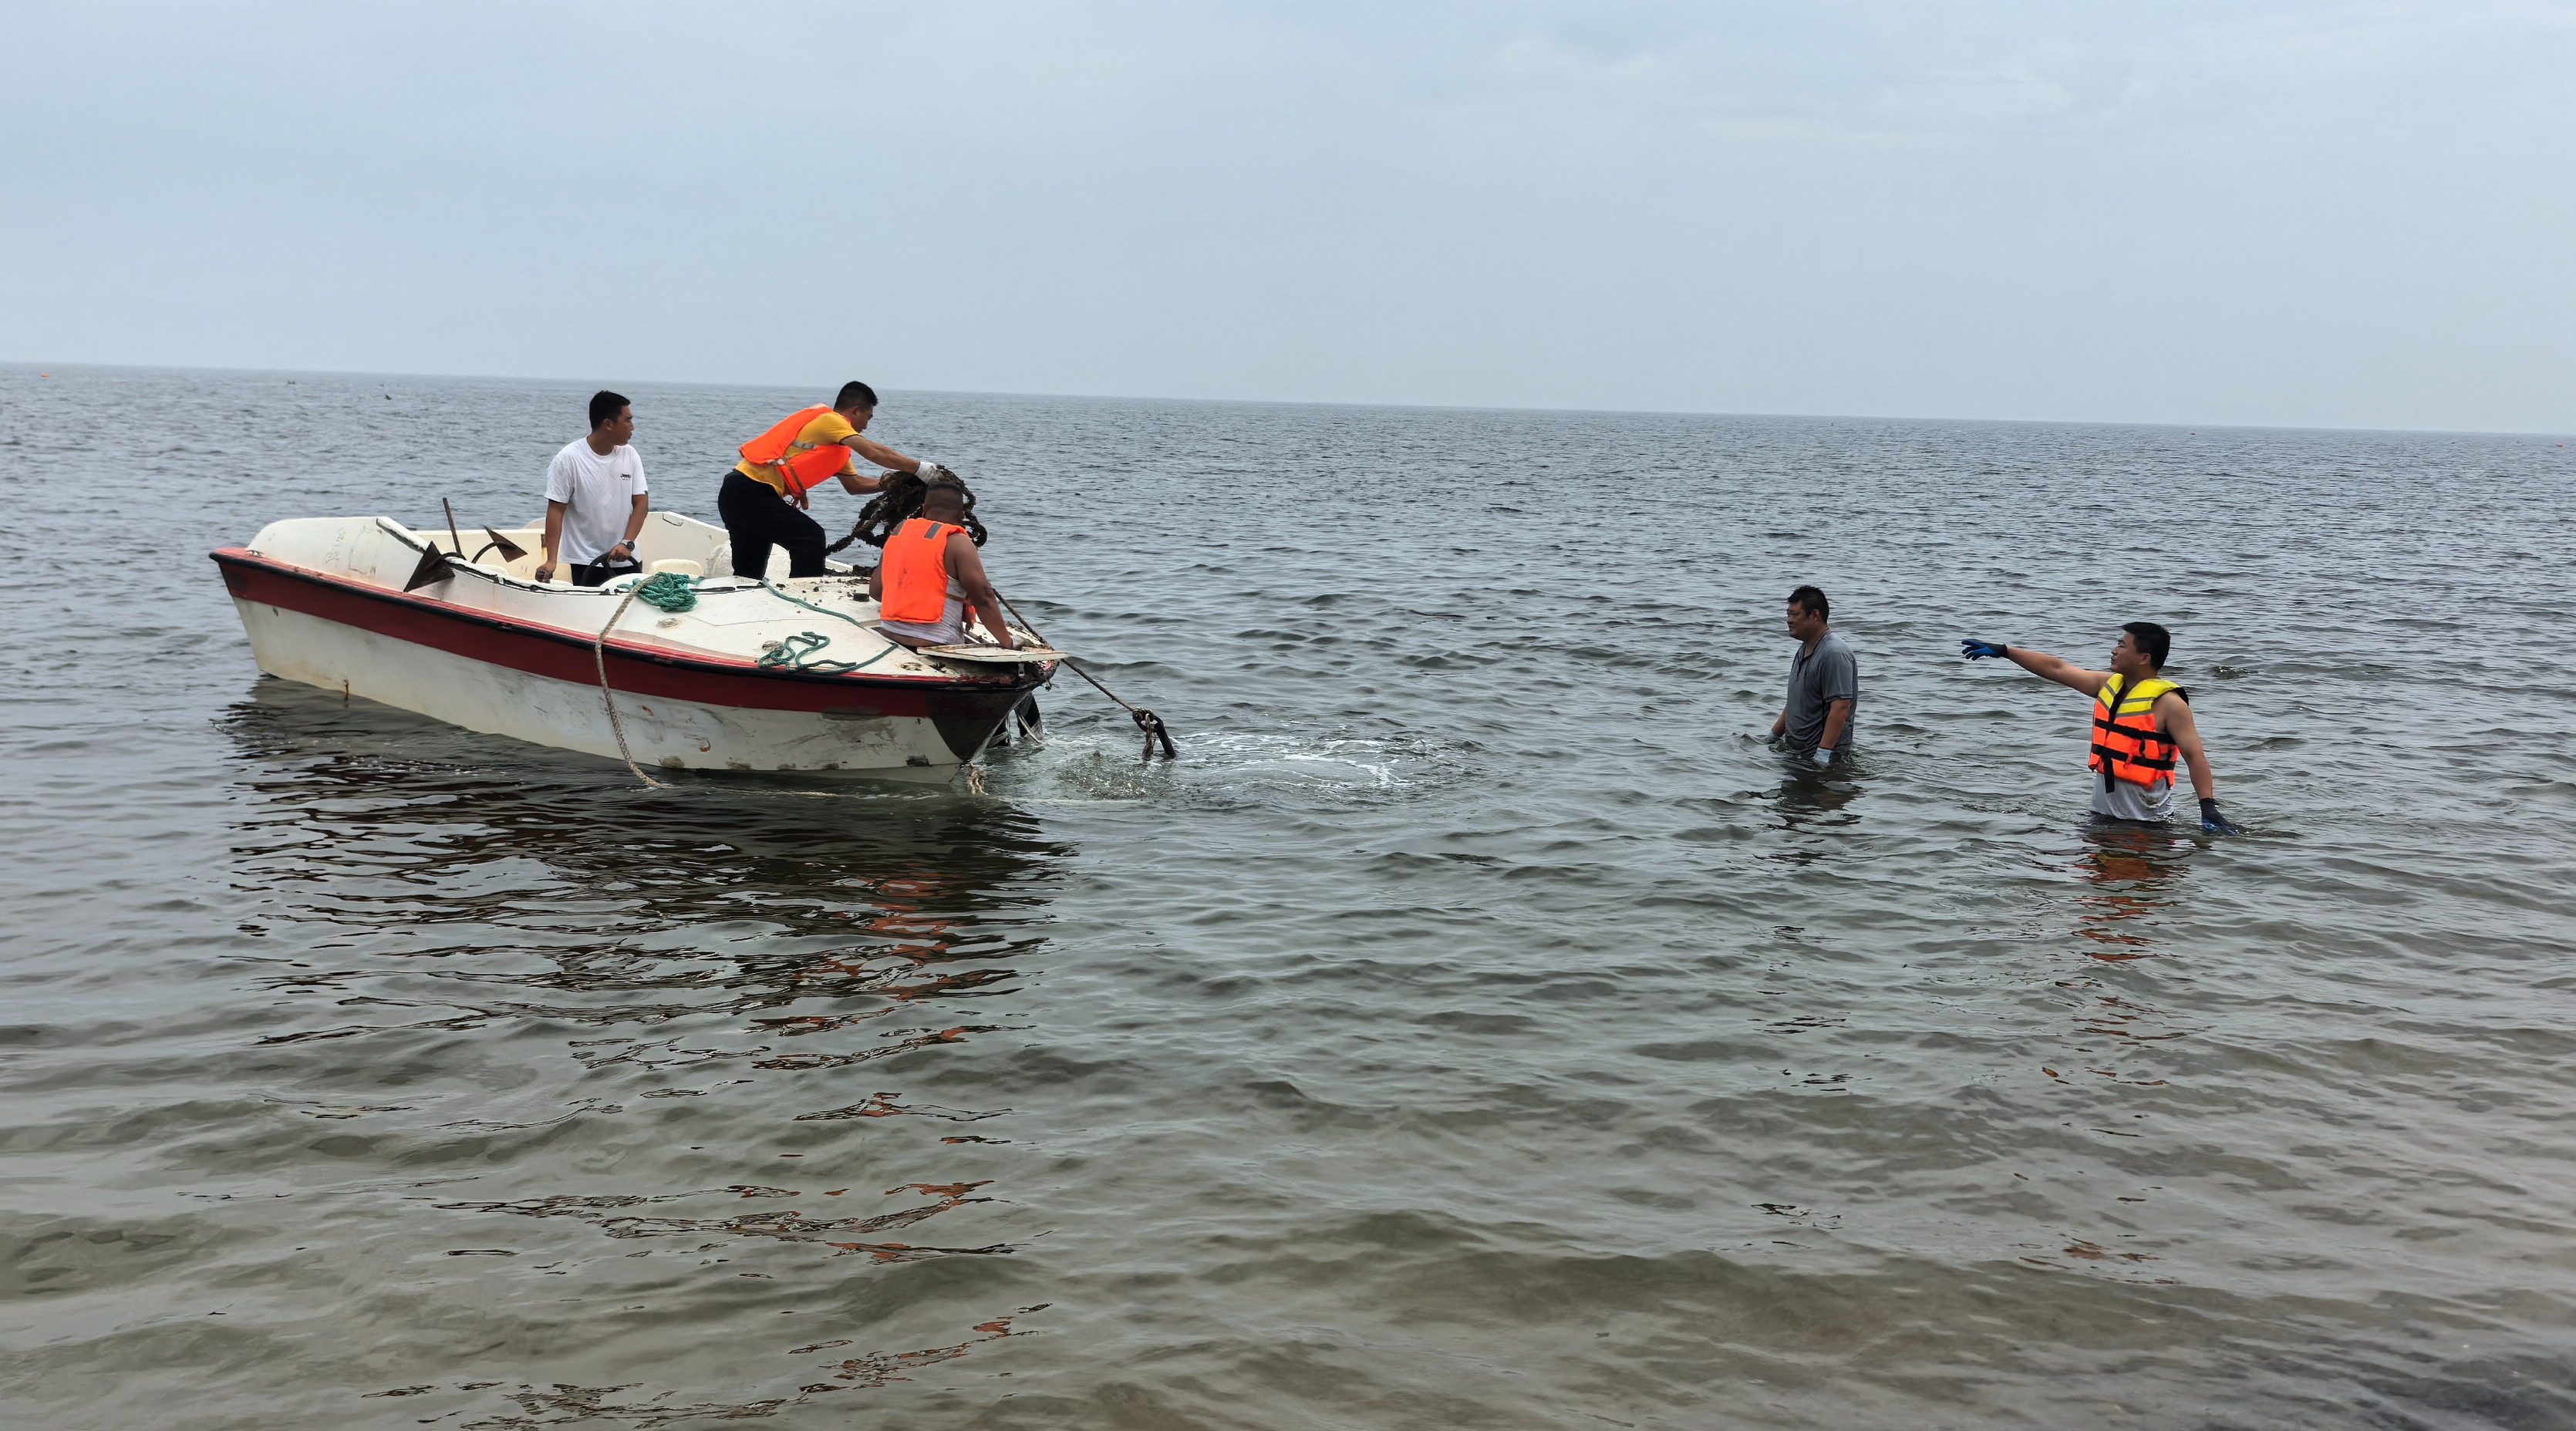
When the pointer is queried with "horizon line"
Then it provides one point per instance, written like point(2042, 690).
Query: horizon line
point(42, 370)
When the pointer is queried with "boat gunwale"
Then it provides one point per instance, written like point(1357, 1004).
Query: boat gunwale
point(659, 656)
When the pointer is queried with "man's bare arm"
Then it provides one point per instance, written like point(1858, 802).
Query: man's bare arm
point(554, 538)
point(2063, 672)
point(967, 565)
point(635, 525)
point(1837, 716)
point(2174, 714)
point(880, 454)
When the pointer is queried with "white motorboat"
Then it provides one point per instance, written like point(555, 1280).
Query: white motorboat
point(752, 673)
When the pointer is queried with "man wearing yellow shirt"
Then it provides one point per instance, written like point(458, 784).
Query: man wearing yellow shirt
point(763, 499)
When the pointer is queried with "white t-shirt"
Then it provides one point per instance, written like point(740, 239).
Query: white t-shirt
point(599, 494)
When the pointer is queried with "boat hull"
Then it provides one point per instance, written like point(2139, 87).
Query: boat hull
point(543, 685)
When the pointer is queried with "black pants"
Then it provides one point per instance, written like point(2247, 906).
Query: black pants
point(757, 518)
point(598, 573)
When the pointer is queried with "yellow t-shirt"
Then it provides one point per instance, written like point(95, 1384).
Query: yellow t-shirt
point(831, 427)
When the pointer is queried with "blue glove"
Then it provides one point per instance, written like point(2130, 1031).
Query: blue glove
point(2214, 823)
point(1824, 756)
point(1975, 650)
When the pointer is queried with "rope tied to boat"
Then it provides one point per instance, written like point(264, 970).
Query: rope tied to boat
point(802, 652)
point(599, 657)
point(828, 667)
point(672, 591)
point(1146, 721)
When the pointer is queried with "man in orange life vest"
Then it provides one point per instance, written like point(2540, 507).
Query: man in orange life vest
point(2141, 721)
point(789, 460)
point(931, 577)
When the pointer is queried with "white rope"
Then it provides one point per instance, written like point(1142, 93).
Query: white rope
point(599, 655)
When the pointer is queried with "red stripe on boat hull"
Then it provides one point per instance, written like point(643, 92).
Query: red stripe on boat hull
point(563, 656)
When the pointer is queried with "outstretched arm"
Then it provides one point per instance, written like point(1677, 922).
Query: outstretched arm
point(883, 456)
point(2040, 664)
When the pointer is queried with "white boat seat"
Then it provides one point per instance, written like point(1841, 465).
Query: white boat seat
point(680, 565)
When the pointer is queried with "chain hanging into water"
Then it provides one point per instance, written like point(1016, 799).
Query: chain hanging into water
point(1146, 721)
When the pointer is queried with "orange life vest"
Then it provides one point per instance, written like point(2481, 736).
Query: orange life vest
point(914, 573)
point(799, 464)
point(2126, 744)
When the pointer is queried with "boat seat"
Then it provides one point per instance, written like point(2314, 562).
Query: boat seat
point(680, 565)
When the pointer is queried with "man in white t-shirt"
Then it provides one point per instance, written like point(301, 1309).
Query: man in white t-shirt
point(595, 501)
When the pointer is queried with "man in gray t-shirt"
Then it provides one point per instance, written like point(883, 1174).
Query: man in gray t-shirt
point(1824, 682)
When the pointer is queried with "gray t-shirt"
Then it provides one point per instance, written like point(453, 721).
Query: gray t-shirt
point(1817, 679)
point(2150, 804)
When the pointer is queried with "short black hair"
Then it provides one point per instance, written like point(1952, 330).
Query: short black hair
point(2154, 641)
point(604, 405)
point(1812, 601)
point(943, 492)
point(855, 395)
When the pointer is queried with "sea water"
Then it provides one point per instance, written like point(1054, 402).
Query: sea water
point(1478, 1026)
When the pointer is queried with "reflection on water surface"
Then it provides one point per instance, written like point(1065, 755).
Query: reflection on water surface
point(736, 948)
point(1478, 1027)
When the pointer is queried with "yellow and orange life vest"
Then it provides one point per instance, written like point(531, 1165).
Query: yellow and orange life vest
point(2126, 743)
point(799, 464)
point(913, 574)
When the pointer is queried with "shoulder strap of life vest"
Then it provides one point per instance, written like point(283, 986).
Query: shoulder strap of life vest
point(768, 447)
point(2122, 690)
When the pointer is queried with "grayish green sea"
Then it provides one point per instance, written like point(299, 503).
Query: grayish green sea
point(1478, 1027)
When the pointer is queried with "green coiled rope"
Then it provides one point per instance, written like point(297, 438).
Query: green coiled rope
point(799, 653)
point(669, 590)
point(774, 589)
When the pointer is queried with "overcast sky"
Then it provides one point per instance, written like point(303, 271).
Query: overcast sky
point(2339, 214)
